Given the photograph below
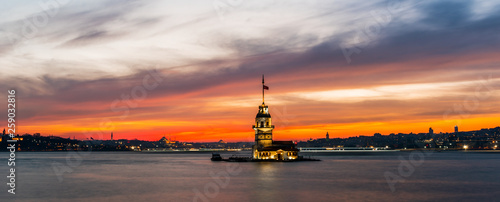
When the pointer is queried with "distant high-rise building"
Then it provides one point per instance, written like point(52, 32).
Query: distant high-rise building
point(327, 136)
point(3, 132)
point(456, 129)
point(111, 135)
point(431, 131)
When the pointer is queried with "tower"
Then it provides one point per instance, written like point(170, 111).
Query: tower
point(111, 135)
point(263, 126)
point(327, 136)
point(456, 129)
point(431, 131)
point(265, 148)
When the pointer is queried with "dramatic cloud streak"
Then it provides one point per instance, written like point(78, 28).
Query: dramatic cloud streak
point(409, 66)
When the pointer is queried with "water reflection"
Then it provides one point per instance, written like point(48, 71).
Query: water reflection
point(266, 181)
point(172, 177)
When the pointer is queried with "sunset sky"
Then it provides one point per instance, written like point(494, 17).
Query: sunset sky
point(192, 69)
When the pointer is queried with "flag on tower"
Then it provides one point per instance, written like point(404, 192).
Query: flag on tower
point(266, 87)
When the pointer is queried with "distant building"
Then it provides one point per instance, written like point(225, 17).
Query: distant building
point(456, 129)
point(431, 131)
point(327, 136)
point(164, 140)
point(111, 135)
point(265, 147)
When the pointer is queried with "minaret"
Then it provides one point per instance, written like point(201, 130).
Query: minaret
point(263, 126)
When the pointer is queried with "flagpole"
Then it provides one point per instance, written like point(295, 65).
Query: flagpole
point(262, 88)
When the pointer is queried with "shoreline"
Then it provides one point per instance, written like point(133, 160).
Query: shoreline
point(310, 151)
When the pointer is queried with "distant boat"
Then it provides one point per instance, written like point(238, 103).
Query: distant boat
point(216, 157)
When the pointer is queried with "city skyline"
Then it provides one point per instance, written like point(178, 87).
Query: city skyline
point(484, 139)
point(375, 68)
point(111, 136)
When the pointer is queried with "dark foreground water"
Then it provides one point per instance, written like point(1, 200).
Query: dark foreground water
point(132, 176)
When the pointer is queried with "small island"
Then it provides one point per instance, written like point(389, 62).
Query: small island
point(265, 148)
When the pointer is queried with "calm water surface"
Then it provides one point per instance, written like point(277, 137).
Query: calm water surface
point(128, 176)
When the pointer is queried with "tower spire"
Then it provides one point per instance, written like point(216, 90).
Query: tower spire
point(263, 89)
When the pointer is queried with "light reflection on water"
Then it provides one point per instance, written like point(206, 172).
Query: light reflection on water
point(126, 176)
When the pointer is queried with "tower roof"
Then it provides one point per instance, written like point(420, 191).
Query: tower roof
point(263, 115)
point(263, 112)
